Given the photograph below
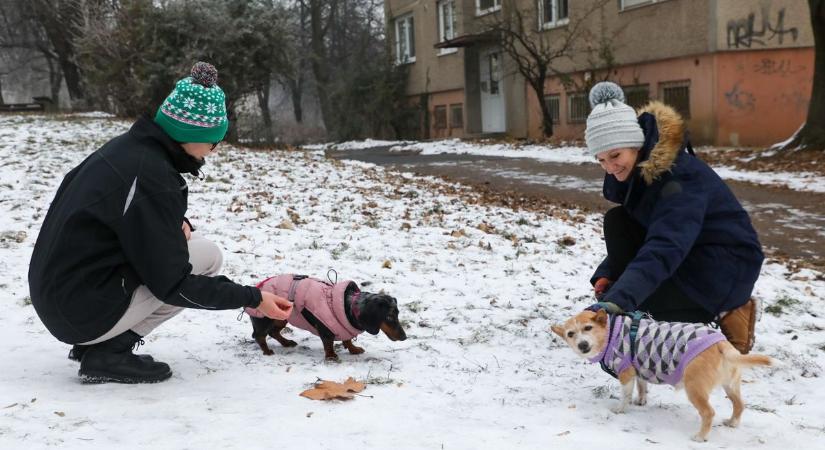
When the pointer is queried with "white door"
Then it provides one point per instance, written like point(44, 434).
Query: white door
point(492, 97)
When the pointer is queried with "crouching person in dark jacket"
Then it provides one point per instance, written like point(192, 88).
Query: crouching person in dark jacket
point(116, 257)
point(680, 246)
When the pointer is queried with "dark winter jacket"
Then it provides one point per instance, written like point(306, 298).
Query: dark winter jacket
point(115, 224)
point(697, 232)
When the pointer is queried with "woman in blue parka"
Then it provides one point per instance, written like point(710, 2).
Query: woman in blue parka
point(680, 246)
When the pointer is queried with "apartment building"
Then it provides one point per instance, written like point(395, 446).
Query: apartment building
point(740, 71)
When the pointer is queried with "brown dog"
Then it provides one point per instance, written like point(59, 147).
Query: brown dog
point(692, 356)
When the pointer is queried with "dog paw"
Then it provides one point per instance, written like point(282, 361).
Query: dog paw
point(618, 409)
point(332, 359)
point(640, 401)
point(733, 423)
point(698, 438)
point(356, 350)
point(268, 352)
point(289, 343)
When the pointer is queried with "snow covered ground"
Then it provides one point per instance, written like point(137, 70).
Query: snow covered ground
point(799, 181)
point(478, 288)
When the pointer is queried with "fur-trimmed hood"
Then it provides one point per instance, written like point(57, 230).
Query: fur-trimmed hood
point(671, 129)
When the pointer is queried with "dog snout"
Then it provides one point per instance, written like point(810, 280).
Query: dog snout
point(584, 346)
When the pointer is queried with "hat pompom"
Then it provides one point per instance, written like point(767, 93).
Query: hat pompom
point(605, 91)
point(204, 74)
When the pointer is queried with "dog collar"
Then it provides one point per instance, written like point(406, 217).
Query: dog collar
point(355, 310)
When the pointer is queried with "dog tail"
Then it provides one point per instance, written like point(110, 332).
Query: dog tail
point(733, 356)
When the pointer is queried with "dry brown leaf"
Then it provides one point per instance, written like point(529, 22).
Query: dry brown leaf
point(60, 413)
point(387, 264)
point(458, 233)
point(330, 390)
point(483, 226)
point(405, 226)
point(567, 241)
point(286, 225)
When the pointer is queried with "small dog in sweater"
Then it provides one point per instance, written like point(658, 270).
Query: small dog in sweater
point(333, 311)
point(689, 355)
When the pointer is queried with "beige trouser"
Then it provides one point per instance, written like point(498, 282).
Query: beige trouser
point(146, 312)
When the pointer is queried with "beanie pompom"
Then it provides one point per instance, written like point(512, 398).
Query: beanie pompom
point(204, 74)
point(605, 91)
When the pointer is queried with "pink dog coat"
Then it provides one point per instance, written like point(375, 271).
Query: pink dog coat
point(323, 299)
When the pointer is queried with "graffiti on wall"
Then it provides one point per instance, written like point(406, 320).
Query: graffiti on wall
point(782, 68)
point(748, 31)
point(740, 99)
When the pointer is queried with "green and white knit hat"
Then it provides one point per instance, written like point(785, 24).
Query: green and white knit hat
point(195, 111)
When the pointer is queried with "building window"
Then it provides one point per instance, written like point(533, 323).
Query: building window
point(405, 39)
point(628, 4)
point(457, 116)
point(637, 95)
point(677, 95)
point(578, 107)
point(487, 6)
point(446, 24)
point(440, 117)
point(552, 13)
point(553, 104)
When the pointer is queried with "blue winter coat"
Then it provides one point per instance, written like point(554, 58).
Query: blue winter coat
point(697, 232)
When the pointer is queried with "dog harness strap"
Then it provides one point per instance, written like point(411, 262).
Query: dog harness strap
point(604, 365)
point(294, 286)
point(634, 328)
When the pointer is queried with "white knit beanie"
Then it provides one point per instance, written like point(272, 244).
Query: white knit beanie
point(611, 124)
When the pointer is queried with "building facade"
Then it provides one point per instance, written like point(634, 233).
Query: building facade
point(739, 71)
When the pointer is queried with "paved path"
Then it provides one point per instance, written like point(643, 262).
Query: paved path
point(790, 223)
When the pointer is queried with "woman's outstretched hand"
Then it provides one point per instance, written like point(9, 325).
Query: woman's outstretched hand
point(600, 287)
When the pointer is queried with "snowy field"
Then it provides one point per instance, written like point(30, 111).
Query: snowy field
point(798, 181)
point(478, 288)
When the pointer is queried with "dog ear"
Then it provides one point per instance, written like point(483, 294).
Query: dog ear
point(601, 317)
point(558, 330)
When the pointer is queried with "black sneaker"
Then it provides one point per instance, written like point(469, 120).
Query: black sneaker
point(113, 361)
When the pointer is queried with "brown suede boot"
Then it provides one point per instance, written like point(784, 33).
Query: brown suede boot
point(738, 326)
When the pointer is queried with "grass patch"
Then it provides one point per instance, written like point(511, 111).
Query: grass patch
point(781, 306)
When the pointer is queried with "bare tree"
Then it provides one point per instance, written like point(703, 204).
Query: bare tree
point(811, 136)
point(537, 53)
point(60, 22)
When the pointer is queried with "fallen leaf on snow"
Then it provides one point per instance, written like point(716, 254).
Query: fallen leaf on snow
point(286, 225)
point(60, 413)
point(567, 241)
point(330, 390)
point(387, 265)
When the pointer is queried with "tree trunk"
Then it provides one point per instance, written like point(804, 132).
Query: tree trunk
point(537, 84)
point(55, 80)
point(263, 104)
point(812, 134)
point(320, 62)
point(296, 88)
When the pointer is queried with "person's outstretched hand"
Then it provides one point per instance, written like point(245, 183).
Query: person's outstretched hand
point(274, 307)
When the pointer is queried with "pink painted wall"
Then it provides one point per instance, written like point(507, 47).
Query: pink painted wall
point(745, 98)
point(762, 96)
point(446, 98)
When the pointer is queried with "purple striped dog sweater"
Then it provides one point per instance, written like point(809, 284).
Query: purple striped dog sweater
point(663, 349)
